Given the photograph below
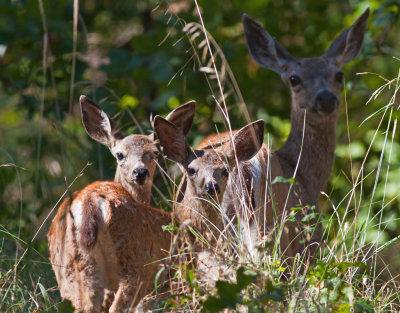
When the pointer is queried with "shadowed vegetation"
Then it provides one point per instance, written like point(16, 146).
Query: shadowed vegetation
point(140, 57)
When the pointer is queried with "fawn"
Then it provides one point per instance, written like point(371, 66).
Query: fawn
point(206, 171)
point(206, 176)
point(103, 242)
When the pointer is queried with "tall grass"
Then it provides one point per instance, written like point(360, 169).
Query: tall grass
point(346, 275)
point(26, 280)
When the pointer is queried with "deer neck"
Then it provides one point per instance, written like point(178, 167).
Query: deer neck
point(199, 213)
point(316, 151)
point(141, 193)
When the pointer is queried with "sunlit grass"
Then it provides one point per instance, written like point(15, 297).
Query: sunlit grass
point(346, 275)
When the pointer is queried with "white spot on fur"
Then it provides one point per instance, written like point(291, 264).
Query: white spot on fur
point(102, 205)
point(76, 210)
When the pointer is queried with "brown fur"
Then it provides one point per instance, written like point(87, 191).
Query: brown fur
point(315, 90)
point(240, 188)
point(129, 239)
point(104, 238)
point(208, 165)
point(315, 85)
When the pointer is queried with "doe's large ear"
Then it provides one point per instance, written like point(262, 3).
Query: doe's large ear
point(97, 123)
point(348, 45)
point(171, 140)
point(264, 49)
point(182, 116)
point(248, 141)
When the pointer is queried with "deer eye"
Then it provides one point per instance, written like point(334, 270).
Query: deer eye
point(152, 154)
point(225, 172)
point(191, 171)
point(120, 156)
point(294, 80)
point(339, 77)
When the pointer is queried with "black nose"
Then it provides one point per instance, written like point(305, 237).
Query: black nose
point(212, 189)
point(326, 102)
point(140, 174)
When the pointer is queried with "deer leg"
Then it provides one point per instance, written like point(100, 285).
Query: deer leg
point(126, 298)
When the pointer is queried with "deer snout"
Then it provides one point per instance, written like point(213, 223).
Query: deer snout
point(212, 189)
point(140, 174)
point(326, 102)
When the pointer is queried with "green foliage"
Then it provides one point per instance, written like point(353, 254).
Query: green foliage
point(228, 293)
point(26, 279)
point(134, 58)
point(169, 227)
point(280, 179)
point(325, 284)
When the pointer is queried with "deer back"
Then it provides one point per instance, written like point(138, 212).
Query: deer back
point(105, 240)
point(103, 235)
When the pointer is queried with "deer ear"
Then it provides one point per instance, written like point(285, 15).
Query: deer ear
point(264, 49)
point(182, 116)
point(248, 141)
point(348, 45)
point(97, 123)
point(171, 139)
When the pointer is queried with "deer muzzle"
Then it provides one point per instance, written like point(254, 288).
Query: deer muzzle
point(140, 175)
point(325, 103)
point(212, 189)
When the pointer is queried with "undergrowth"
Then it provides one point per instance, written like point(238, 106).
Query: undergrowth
point(346, 274)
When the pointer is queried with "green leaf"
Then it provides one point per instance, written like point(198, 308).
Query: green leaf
point(344, 308)
point(228, 292)
point(348, 292)
point(344, 266)
point(66, 307)
point(213, 304)
point(160, 271)
point(44, 293)
point(243, 280)
point(128, 101)
point(190, 276)
point(173, 102)
point(296, 209)
point(280, 179)
point(274, 293)
point(169, 227)
point(362, 307)
point(309, 217)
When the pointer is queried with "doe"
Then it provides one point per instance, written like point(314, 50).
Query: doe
point(307, 155)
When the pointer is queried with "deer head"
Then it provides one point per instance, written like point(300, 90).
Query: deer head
point(207, 169)
point(135, 154)
point(315, 83)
